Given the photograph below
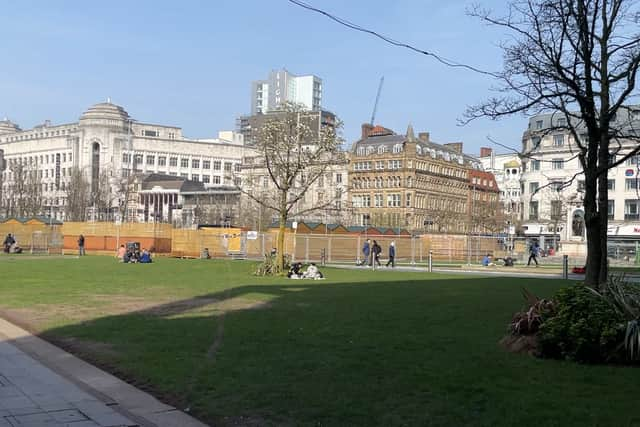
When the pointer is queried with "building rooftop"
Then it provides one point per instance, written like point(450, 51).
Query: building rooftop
point(105, 110)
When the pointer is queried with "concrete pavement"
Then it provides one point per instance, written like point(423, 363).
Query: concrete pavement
point(524, 272)
point(44, 386)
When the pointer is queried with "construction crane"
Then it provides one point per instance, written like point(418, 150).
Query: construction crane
point(375, 106)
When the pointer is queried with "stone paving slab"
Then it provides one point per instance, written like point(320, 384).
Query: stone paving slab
point(32, 396)
point(46, 386)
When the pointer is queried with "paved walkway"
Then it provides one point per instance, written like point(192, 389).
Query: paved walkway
point(525, 272)
point(44, 386)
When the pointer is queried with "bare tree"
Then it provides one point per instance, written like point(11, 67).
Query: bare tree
point(291, 156)
point(487, 215)
point(103, 196)
point(23, 193)
point(578, 58)
point(125, 190)
point(78, 195)
point(33, 197)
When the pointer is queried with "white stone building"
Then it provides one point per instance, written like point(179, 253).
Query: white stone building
point(553, 185)
point(507, 170)
point(107, 139)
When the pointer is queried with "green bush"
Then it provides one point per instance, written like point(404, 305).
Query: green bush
point(585, 328)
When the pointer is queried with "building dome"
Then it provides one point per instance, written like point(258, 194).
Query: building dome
point(512, 164)
point(7, 126)
point(105, 111)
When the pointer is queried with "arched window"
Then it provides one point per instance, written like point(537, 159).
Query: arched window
point(397, 148)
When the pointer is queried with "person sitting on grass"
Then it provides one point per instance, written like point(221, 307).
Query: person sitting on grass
point(205, 254)
point(312, 273)
point(122, 251)
point(487, 262)
point(145, 257)
point(8, 241)
point(294, 271)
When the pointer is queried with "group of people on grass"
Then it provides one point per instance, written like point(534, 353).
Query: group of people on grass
point(312, 272)
point(11, 245)
point(371, 253)
point(134, 256)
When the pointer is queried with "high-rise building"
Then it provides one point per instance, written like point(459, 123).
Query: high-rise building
point(282, 86)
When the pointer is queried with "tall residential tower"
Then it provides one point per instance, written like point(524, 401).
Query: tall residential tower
point(282, 86)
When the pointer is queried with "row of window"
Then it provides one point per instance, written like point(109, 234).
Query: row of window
point(631, 209)
point(207, 179)
point(482, 181)
point(38, 135)
point(379, 165)
point(184, 162)
point(380, 182)
point(393, 200)
point(630, 184)
point(365, 151)
point(47, 186)
point(40, 173)
point(439, 169)
point(559, 163)
point(41, 159)
point(156, 134)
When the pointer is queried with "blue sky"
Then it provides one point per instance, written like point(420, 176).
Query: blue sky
point(190, 63)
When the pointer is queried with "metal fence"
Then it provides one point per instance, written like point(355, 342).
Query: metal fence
point(347, 248)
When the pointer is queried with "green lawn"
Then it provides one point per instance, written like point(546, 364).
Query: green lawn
point(367, 348)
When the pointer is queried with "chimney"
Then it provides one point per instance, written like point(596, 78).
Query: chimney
point(366, 129)
point(423, 136)
point(455, 146)
point(485, 151)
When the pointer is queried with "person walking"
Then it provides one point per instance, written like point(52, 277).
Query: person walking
point(81, 245)
point(366, 251)
point(392, 255)
point(534, 250)
point(377, 250)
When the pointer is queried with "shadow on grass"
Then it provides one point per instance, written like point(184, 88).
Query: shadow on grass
point(412, 352)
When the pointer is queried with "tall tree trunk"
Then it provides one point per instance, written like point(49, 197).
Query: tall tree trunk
point(592, 225)
point(603, 196)
point(281, 232)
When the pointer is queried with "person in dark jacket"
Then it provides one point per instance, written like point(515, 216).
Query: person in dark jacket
point(81, 245)
point(8, 241)
point(377, 250)
point(534, 251)
point(392, 254)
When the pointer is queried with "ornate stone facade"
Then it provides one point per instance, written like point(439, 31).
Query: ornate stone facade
point(408, 181)
point(107, 142)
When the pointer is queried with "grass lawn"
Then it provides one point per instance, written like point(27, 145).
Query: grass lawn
point(362, 348)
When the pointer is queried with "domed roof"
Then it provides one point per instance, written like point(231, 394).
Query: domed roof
point(105, 110)
point(7, 126)
point(512, 164)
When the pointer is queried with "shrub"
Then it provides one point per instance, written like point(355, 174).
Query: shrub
point(269, 267)
point(624, 298)
point(528, 321)
point(586, 328)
